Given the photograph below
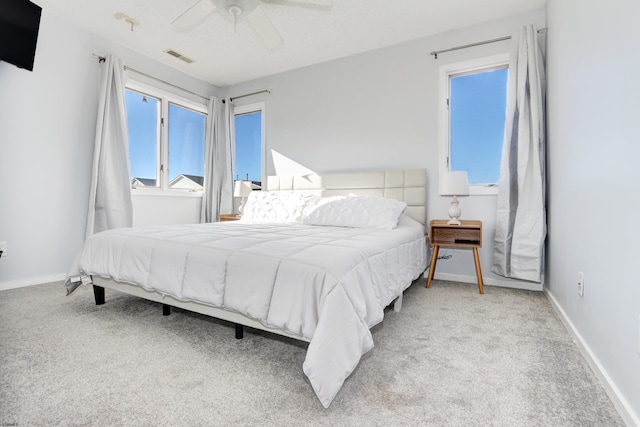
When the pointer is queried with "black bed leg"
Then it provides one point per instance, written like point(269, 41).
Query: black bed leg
point(239, 331)
point(98, 294)
point(166, 309)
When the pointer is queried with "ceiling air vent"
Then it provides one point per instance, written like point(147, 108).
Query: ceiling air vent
point(179, 56)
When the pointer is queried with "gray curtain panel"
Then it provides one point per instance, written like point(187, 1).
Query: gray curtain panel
point(521, 217)
point(218, 162)
point(110, 204)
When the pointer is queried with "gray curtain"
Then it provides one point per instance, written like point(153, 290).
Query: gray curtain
point(521, 218)
point(110, 204)
point(218, 162)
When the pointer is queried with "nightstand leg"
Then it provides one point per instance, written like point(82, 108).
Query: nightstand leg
point(432, 266)
point(478, 270)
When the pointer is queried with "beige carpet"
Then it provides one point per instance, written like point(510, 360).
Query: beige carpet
point(451, 357)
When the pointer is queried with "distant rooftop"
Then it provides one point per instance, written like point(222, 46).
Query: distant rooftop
point(195, 178)
point(145, 182)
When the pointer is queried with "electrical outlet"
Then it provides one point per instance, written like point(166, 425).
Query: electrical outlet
point(3, 248)
point(581, 283)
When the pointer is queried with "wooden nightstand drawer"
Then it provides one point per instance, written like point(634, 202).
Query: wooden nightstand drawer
point(229, 217)
point(468, 234)
point(447, 235)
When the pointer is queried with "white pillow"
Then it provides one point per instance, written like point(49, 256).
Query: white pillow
point(357, 212)
point(276, 206)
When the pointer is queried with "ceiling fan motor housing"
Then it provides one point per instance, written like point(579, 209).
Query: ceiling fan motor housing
point(236, 7)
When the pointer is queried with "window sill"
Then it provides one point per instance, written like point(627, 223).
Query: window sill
point(135, 192)
point(483, 190)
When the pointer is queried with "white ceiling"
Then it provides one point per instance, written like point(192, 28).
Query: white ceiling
point(311, 34)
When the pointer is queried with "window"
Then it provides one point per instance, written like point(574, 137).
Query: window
point(249, 137)
point(166, 139)
point(473, 118)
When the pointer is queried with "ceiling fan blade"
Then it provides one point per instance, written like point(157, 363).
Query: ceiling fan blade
point(265, 29)
point(318, 2)
point(194, 15)
point(324, 3)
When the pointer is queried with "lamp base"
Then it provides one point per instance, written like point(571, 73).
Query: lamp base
point(454, 212)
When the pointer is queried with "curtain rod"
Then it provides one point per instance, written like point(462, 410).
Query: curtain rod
point(233, 98)
point(499, 39)
point(102, 59)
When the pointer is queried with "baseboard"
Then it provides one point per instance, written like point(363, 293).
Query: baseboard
point(489, 281)
point(31, 281)
point(630, 418)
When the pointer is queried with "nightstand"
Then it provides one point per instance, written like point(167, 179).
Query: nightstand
point(466, 235)
point(229, 217)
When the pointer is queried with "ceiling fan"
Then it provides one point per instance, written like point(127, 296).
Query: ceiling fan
point(238, 9)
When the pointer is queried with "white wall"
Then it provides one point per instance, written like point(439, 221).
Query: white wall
point(47, 128)
point(593, 152)
point(165, 210)
point(379, 110)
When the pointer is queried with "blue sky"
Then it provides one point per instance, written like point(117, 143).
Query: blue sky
point(248, 129)
point(186, 141)
point(141, 119)
point(186, 138)
point(478, 106)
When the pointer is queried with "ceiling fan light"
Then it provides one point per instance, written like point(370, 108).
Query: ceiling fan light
point(235, 10)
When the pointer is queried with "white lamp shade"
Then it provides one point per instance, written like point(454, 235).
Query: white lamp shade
point(242, 188)
point(455, 184)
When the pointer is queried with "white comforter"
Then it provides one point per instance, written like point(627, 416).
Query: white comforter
point(327, 285)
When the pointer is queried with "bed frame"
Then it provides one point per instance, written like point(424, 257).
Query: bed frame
point(405, 185)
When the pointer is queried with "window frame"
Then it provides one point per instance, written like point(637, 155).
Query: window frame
point(162, 148)
point(446, 72)
point(248, 109)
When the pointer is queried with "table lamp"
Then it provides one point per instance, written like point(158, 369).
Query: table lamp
point(242, 189)
point(455, 184)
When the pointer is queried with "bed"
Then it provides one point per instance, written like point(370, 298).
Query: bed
point(316, 258)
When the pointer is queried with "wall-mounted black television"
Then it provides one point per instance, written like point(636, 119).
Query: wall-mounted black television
point(19, 25)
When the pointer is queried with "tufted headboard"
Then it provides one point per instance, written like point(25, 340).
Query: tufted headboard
point(408, 185)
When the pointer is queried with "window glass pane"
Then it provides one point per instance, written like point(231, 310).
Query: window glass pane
point(186, 148)
point(477, 118)
point(142, 123)
point(248, 130)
